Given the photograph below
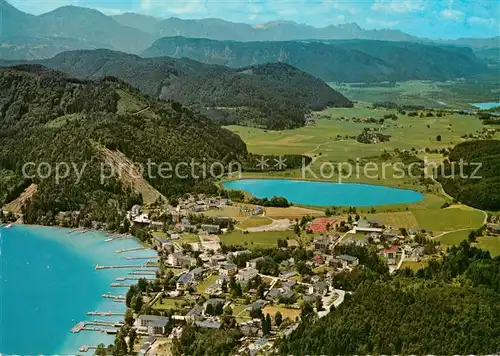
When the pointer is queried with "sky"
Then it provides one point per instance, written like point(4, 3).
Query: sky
point(446, 19)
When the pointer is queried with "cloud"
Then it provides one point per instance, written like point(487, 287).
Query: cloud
point(145, 5)
point(451, 14)
point(342, 6)
point(191, 7)
point(398, 6)
point(482, 21)
point(109, 11)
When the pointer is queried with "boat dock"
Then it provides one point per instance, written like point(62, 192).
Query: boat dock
point(111, 296)
point(120, 285)
point(97, 325)
point(142, 273)
point(124, 266)
point(96, 313)
point(131, 249)
point(121, 279)
point(142, 258)
point(78, 327)
point(86, 348)
point(116, 237)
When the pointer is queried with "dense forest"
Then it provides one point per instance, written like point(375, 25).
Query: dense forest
point(475, 181)
point(450, 307)
point(341, 60)
point(48, 117)
point(274, 96)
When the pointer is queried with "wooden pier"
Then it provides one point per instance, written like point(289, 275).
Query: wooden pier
point(111, 296)
point(143, 273)
point(130, 249)
point(78, 327)
point(121, 279)
point(120, 285)
point(126, 266)
point(96, 313)
point(86, 348)
point(142, 258)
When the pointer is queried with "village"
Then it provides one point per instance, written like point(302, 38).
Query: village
point(262, 291)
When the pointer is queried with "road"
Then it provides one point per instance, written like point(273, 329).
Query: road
point(343, 236)
point(403, 256)
point(336, 303)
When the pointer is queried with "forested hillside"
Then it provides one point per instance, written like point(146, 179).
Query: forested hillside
point(476, 182)
point(275, 96)
point(450, 307)
point(333, 61)
point(48, 117)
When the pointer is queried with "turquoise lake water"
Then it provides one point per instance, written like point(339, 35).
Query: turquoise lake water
point(487, 105)
point(325, 193)
point(48, 283)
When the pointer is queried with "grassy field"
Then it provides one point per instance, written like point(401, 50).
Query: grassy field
point(435, 219)
point(319, 139)
point(456, 94)
point(449, 219)
point(255, 239)
point(285, 312)
point(233, 211)
point(453, 238)
point(168, 303)
point(200, 288)
point(292, 213)
point(413, 264)
point(187, 238)
point(254, 221)
point(404, 219)
point(490, 243)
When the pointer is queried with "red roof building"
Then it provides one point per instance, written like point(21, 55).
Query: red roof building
point(319, 260)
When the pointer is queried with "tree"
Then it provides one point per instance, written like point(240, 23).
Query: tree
point(296, 229)
point(129, 317)
point(438, 138)
point(278, 318)
point(101, 350)
point(319, 304)
point(307, 310)
point(266, 324)
point(121, 348)
point(132, 335)
point(137, 303)
point(130, 294)
point(219, 308)
point(209, 310)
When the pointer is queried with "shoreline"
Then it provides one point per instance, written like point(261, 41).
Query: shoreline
point(89, 250)
point(401, 204)
point(298, 179)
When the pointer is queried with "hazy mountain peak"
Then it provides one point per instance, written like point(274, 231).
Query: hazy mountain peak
point(276, 23)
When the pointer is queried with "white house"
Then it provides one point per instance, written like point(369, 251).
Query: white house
point(151, 324)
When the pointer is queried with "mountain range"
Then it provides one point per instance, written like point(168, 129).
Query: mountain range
point(25, 36)
point(333, 60)
point(47, 116)
point(272, 95)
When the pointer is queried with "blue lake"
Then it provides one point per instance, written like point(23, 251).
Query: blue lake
point(487, 105)
point(325, 193)
point(48, 283)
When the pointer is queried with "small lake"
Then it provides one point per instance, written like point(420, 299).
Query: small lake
point(487, 105)
point(325, 193)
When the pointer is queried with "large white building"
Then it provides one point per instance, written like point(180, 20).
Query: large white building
point(151, 324)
